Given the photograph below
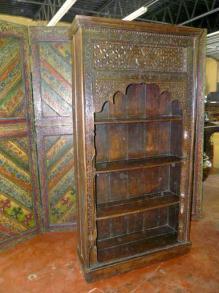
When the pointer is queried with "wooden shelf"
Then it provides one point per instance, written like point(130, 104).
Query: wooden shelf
point(135, 243)
point(133, 205)
point(133, 164)
point(138, 120)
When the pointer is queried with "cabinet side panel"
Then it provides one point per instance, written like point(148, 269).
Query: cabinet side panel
point(80, 152)
point(197, 202)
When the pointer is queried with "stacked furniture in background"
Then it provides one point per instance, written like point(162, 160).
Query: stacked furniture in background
point(211, 127)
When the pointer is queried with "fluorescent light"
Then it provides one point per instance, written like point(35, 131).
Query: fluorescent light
point(61, 12)
point(213, 34)
point(136, 13)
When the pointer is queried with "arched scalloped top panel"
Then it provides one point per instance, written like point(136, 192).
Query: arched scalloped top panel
point(142, 101)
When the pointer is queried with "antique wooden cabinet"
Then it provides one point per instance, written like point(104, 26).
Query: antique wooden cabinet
point(137, 101)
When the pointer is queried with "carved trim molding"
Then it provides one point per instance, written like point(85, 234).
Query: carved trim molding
point(104, 90)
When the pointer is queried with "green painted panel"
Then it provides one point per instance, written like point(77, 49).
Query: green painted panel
point(60, 179)
point(16, 194)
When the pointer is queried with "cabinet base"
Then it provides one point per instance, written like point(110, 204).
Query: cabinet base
point(105, 270)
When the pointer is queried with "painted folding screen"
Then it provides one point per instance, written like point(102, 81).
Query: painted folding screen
point(18, 185)
point(52, 92)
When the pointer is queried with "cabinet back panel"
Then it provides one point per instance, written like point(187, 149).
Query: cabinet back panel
point(136, 100)
point(140, 100)
point(175, 173)
point(119, 108)
point(123, 185)
point(102, 143)
point(136, 141)
point(173, 218)
point(119, 141)
point(176, 138)
point(132, 223)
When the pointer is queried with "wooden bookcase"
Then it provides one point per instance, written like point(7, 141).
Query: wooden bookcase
point(135, 106)
point(138, 143)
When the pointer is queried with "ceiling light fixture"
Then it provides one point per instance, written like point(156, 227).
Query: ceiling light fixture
point(136, 13)
point(140, 11)
point(213, 34)
point(61, 12)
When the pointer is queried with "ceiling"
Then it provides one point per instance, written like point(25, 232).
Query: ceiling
point(170, 11)
point(213, 46)
point(197, 13)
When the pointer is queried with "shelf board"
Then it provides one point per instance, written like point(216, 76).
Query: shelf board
point(134, 164)
point(135, 243)
point(134, 206)
point(138, 120)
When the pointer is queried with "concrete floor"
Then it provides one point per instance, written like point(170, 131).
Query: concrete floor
point(48, 264)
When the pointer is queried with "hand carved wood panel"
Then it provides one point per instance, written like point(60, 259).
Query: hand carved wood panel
point(131, 56)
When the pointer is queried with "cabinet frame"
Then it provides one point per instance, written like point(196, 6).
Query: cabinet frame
point(94, 83)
